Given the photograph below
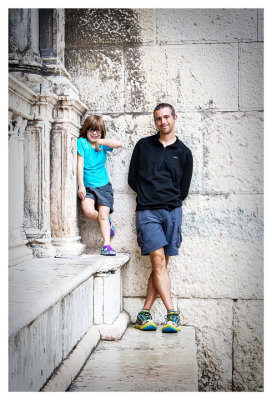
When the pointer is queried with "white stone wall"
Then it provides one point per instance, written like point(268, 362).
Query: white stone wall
point(208, 63)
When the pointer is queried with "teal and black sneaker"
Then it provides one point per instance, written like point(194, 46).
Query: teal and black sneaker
point(172, 324)
point(144, 321)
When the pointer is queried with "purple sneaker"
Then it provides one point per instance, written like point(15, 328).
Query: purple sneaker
point(112, 229)
point(107, 251)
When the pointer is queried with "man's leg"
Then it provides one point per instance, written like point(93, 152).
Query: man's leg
point(152, 292)
point(160, 279)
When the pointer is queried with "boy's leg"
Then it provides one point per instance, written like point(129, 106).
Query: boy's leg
point(152, 292)
point(88, 207)
point(103, 218)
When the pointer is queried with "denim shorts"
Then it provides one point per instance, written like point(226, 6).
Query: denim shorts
point(159, 228)
point(102, 195)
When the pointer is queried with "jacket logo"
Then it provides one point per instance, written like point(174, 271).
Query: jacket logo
point(175, 157)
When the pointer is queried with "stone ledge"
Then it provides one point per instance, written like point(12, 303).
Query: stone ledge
point(37, 285)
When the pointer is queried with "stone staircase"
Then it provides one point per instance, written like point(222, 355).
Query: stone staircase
point(68, 312)
point(59, 309)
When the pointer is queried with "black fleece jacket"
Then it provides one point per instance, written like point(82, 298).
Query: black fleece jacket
point(160, 176)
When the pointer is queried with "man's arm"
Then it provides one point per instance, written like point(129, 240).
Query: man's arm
point(187, 176)
point(134, 168)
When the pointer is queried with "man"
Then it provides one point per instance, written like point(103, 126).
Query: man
point(160, 173)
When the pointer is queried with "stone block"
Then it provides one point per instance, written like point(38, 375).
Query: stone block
point(107, 297)
point(206, 25)
point(251, 75)
point(109, 25)
point(190, 77)
point(98, 74)
point(233, 153)
point(35, 351)
point(248, 346)
point(75, 323)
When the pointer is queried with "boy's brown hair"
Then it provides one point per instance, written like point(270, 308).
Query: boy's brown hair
point(94, 122)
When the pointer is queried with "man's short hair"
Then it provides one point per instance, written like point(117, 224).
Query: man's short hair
point(163, 105)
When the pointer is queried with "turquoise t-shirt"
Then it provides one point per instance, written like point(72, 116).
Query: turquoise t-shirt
point(94, 172)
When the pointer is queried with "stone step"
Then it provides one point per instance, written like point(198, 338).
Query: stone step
point(53, 302)
point(142, 362)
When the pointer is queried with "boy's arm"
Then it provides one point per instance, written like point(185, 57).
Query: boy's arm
point(112, 143)
point(81, 187)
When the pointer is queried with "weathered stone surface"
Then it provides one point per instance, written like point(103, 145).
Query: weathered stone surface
point(98, 74)
point(233, 158)
point(234, 216)
point(24, 36)
point(107, 297)
point(142, 362)
point(190, 77)
point(218, 268)
point(35, 352)
point(108, 25)
point(75, 323)
point(260, 24)
point(251, 76)
point(210, 25)
point(248, 346)
point(205, 268)
point(212, 320)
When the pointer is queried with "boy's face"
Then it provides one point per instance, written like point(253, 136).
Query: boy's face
point(93, 135)
point(164, 120)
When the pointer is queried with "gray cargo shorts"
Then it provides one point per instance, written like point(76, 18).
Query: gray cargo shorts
point(102, 195)
point(159, 228)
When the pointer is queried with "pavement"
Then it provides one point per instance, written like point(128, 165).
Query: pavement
point(142, 362)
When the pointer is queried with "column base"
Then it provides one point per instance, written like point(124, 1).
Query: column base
point(42, 248)
point(69, 246)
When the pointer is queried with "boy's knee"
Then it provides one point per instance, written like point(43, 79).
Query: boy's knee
point(90, 213)
point(103, 215)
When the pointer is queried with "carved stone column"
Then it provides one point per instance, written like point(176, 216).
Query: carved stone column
point(63, 192)
point(37, 177)
point(20, 102)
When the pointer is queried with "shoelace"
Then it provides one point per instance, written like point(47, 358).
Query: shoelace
point(144, 315)
point(172, 317)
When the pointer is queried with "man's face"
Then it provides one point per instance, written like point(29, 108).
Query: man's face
point(164, 120)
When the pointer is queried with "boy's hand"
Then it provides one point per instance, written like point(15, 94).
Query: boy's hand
point(97, 145)
point(82, 192)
